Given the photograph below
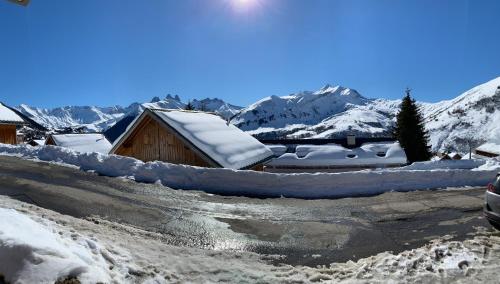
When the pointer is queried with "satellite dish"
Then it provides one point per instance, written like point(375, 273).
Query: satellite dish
point(20, 2)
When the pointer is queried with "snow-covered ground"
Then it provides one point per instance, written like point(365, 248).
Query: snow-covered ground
point(42, 246)
point(252, 183)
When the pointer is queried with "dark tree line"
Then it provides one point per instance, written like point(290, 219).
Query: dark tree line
point(410, 131)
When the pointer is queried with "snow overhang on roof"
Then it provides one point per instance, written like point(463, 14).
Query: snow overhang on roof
point(8, 116)
point(224, 144)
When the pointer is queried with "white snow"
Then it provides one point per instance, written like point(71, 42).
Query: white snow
point(41, 246)
point(278, 150)
point(490, 147)
point(445, 164)
point(235, 182)
point(7, 115)
point(39, 142)
point(97, 119)
point(31, 252)
point(224, 143)
point(368, 155)
point(87, 142)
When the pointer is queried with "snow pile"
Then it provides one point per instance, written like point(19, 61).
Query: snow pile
point(470, 261)
point(7, 115)
point(368, 155)
point(445, 164)
point(252, 183)
point(51, 246)
point(32, 252)
point(88, 142)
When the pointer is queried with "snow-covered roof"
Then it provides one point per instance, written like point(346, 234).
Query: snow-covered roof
point(370, 154)
point(223, 143)
point(490, 147)
point(9, 116)
point(39, 141)
point(278, 150)
point(85, 142)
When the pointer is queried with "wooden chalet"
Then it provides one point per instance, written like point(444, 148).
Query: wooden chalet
point(489, 150)
point(191, 138)
point(9, 121)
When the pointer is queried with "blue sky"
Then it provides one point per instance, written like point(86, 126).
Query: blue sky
point(84, 52)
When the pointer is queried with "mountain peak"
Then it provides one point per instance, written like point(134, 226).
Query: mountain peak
point(175, 98)
point(155, 99)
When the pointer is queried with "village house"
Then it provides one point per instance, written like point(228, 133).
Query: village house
point(348, 155)
point(9, 121)
point(191, 138)
point(81, 142)
point(488, 150)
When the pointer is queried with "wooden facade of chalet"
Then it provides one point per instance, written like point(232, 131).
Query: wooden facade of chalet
point(152, 139)
point(8, 133)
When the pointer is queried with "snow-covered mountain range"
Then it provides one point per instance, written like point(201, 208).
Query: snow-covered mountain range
point(94, 119)
point(333, 111)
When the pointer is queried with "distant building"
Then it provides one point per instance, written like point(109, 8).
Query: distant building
point(36, 142)
point(191, 138)
point(84, 142)
point(9, 121)
point(334, 157)
point(489, 150)
point(449, 156)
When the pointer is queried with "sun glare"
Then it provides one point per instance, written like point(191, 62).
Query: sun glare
point(244, 5)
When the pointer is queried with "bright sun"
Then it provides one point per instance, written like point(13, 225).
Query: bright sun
point(243, 5)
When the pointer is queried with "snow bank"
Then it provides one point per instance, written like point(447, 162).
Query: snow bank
point(445, 164)
point(251, 183)
point(31, 252)
point(441, 261)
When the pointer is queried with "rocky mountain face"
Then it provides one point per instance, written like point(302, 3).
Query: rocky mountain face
point(96, 119)
point(331, 112)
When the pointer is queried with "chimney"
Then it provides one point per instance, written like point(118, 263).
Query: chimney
point(351, 140)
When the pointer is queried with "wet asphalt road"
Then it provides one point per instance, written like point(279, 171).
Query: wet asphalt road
point(307, 232)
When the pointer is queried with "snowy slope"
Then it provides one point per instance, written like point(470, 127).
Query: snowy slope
point(474, 116)
point(333, 111)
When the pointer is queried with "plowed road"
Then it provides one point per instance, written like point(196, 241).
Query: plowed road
point(307, 232)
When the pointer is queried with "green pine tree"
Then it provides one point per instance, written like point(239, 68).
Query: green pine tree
point(189, 106)
point(410, 131)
